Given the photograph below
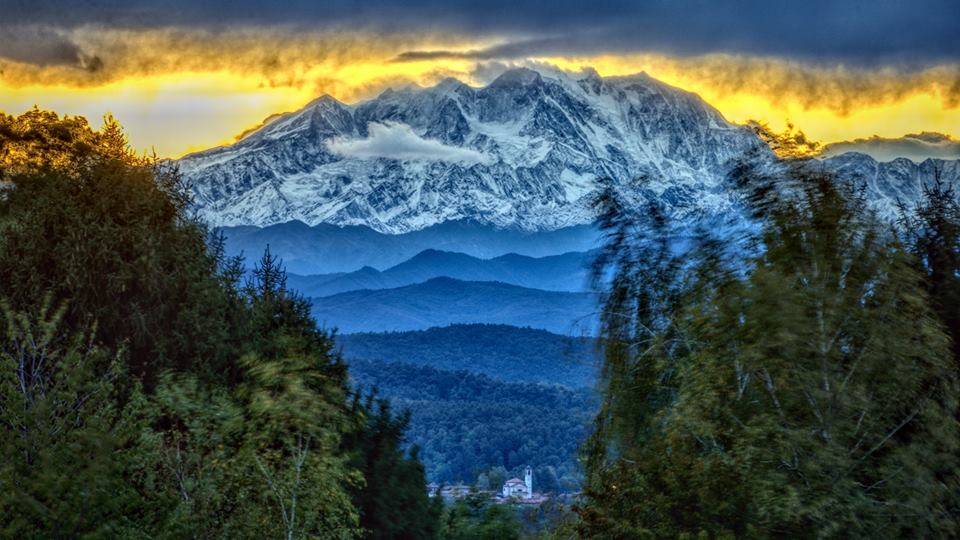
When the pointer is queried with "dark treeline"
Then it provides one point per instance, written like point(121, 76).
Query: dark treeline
point(798, 380)
point(149, 389)
point(503, 352)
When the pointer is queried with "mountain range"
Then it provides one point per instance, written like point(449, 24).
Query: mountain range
point(428, 206)
point(567, 272)
point(443, 301)
point(324, 248)
point(525, 152)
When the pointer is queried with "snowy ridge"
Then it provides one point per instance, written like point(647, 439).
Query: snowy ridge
point(524, 152)
point(545, 139)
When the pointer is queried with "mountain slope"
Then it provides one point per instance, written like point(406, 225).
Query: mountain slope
point(566, 272)
point(444, 301)
point(525, 151)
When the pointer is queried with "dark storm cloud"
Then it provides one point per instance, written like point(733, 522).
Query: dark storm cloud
point(43, 46)
point(856, 31)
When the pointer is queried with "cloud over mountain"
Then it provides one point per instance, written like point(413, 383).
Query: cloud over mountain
point(915, 147)
point(394, 140)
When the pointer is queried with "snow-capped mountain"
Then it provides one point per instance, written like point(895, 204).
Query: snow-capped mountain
point(525, 152)
point(888, 182)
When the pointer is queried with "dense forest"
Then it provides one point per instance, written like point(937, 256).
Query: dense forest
point(797, 379)
point(475, 429)
point(503, 352)
point(148, 389)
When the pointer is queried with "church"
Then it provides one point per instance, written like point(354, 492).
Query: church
point(514, 487)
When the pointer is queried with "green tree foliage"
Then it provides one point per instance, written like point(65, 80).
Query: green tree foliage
point(795, 386)
point(393, 503)
point(63, 436)
point(931, 231)
point(146, 388)
point(475, 517)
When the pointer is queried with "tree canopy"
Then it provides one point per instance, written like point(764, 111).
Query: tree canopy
point(793, 383)
point(148, 388)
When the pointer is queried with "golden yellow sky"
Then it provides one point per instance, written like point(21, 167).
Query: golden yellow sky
point(177, 93)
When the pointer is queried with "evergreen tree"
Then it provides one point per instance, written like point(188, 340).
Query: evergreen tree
point(393, 502)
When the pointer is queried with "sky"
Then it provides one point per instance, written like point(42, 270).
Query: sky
point(185, 75)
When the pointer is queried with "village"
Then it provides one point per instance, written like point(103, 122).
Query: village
point(514, 491)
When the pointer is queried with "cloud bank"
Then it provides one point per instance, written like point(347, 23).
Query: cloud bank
point(852, 31)
point(838, 70)
point(43, 47)
point(393, 140)
point(915, 147)
point(354, 65)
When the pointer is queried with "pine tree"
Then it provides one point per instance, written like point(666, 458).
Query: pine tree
point(393, 501)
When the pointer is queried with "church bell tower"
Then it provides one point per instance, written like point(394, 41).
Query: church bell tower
point(528, 480)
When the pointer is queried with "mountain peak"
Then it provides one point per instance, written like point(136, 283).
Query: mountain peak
point(450, 84)
point(326, 100)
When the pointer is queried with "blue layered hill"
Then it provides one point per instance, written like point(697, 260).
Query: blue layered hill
point(324, 248)
point(444, 301)
point(567, 272)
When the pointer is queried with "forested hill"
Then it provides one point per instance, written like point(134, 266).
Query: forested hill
point(504, 352)
point(485, 400)
point(467, 425)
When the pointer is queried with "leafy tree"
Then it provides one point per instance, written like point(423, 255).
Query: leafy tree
point(800, 387)
point(62, 443)
point(475, 517)
point(931, 231)
point(86, 220)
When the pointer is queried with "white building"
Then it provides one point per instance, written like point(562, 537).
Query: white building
point(514, 487)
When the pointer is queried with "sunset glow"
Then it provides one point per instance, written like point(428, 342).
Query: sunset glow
point(179, 92)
